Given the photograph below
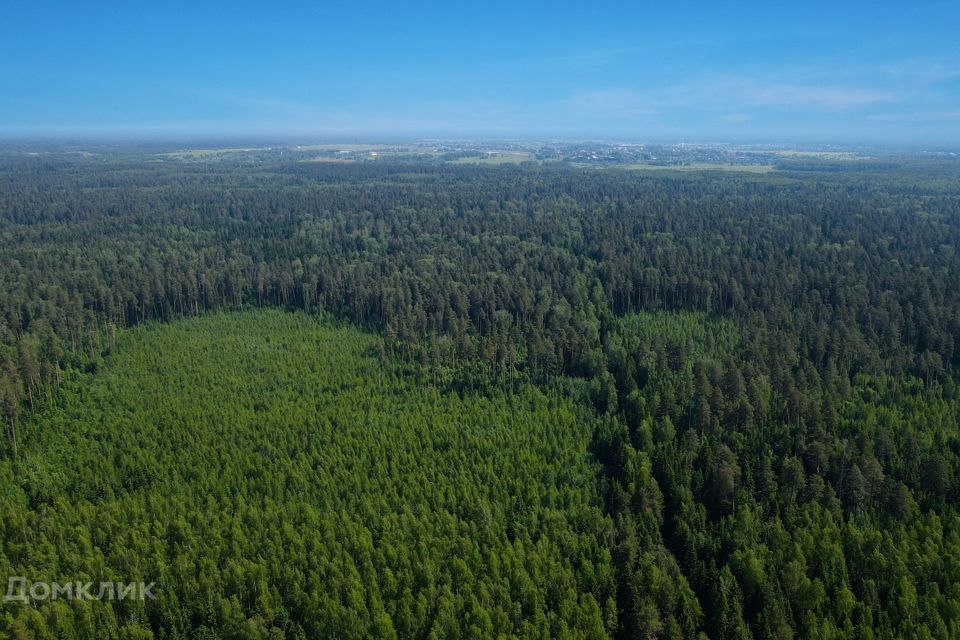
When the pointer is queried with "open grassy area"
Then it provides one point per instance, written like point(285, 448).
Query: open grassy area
point(496, 158)
point(195, 154)
point(821, 155)
point(346, 147)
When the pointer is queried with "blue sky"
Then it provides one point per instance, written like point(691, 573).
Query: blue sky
point(740, 71)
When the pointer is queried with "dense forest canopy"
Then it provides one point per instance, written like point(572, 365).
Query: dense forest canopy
point(271, 478)
point(765, 366)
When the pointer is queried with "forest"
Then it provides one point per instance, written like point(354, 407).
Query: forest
point(423, 400)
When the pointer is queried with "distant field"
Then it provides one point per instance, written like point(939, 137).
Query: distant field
point(401, 153)
point(823, 155)
point(701, 166)
point(185, 154)
point(496, 158)
point(340, 147)
point(332, 159)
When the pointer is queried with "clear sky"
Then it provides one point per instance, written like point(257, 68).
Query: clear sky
point(740, 71)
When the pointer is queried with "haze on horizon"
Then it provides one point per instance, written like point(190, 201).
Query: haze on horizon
point(885, 72)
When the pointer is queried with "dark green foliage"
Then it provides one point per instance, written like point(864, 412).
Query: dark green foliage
point(825, 536)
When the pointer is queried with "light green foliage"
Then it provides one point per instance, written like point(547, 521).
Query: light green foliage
point(271, 477)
